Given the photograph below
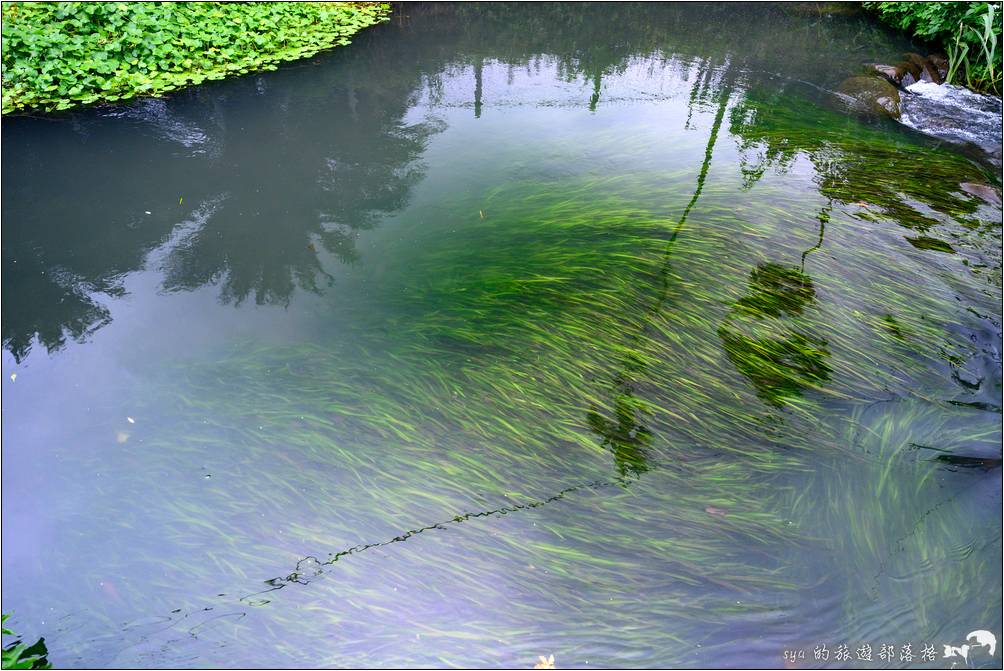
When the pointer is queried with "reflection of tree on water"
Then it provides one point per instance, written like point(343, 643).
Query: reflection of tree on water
point(625, 437)
point(68, 238)
point(247, 192)
point(289, 184)
point(774, 130)
point(763, 335)
point(63, 309)
point(623, 433)
point(302, 184)
point(593, 41)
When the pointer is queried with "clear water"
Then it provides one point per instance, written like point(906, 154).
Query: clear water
point(506, 331)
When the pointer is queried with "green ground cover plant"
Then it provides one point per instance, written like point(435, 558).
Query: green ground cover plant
point(61, 55)
point(20, 655)
point(969, 32)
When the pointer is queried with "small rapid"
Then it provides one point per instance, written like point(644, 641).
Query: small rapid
point(956, 114)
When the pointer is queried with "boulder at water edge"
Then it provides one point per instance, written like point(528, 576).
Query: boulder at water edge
point(893, 73)
point(871, 95)
point(928, 70)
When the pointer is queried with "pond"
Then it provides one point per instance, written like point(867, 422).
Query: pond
point(586, 330)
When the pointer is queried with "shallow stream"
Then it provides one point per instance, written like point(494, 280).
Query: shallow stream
point(506, 331)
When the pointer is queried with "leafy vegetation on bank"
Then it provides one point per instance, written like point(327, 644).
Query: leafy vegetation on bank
point(969, 32)
point(59, 55)
point(20, 655)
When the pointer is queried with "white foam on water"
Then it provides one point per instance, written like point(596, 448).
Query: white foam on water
point(953, 113)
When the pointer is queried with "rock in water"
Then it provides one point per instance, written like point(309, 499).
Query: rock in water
point(870, 95)
point(893, 73)
point(984, 191)
point(926, 71)
point(941, 64)
point(911, 74)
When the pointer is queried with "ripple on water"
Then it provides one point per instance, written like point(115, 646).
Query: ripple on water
point(954, 113)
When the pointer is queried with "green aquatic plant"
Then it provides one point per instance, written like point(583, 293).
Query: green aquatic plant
point(773, 131)
point(469, 394)
point(559, 334)
point(514, 370)
point(61, 55)
point(20, 655)
point(569, 338)
point(917, 542)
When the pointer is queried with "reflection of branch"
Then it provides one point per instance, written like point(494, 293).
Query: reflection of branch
point(597, 87)
point(310, 567)
point(627, 438)
point(694, 89)
point(824, 216)
point(478, 86)
point(705, 166)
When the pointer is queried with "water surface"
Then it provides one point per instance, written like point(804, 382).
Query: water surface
point(586, 330)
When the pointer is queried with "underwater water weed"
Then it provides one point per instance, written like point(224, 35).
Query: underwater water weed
point(609, 299)
point(578, 334)
point(523, 373)
point(537, 358)
point(914, 545)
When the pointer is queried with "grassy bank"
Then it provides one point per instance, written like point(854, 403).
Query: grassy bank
point(969, 32)
point(61, 55)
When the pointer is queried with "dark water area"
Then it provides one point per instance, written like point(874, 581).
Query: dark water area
point(508, 330)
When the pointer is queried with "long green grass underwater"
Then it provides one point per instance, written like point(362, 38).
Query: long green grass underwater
point(591, 406)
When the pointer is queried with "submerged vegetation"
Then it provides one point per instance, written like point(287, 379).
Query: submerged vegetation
point(969, 32)
point(60, 55)
point(627, 391)
point(554, 342)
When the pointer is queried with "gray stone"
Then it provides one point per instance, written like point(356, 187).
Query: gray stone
point(893, 73)
point(940, 63)
point(928, 71)
point(984, 191)
point(873, 95)
point(967, 378)
point(918, 69)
